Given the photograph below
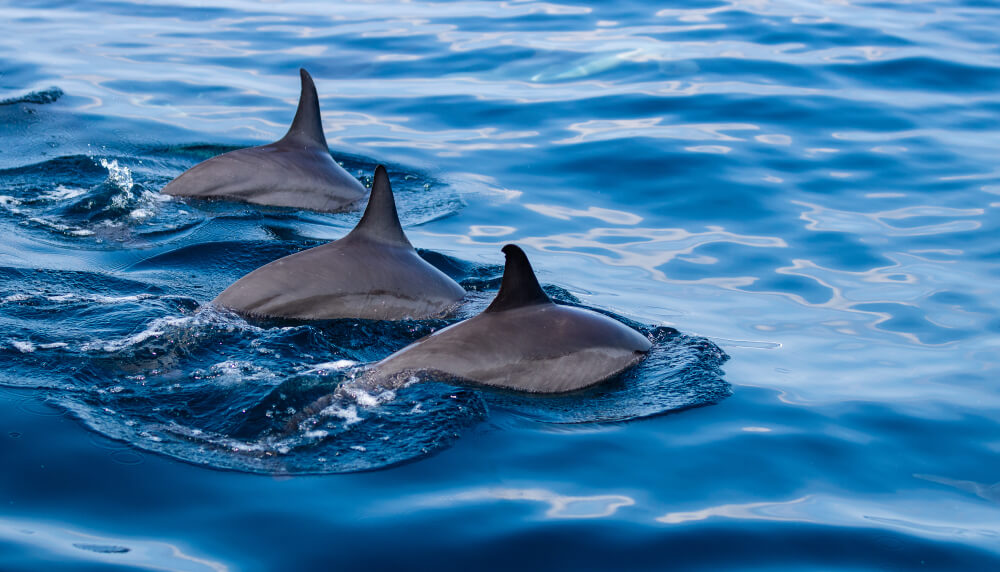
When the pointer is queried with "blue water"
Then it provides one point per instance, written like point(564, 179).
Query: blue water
point(797, 201)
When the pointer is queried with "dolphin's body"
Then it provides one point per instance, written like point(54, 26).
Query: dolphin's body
point(295, 171)
point(372, 273)
point(522, 341)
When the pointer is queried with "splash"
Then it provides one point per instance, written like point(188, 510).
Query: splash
point(103, 201)
point(121, 177)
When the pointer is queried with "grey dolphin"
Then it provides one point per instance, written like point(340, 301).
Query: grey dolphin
point(295, 171)
point(372, 273)
point(522, 341)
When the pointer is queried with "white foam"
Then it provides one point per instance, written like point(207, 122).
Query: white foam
point(326, 367)
point(74, 297)
point(204, 317)
point(349, 414)
point(23, 346)
point(156, 328)
point(15, 298)
point(366, 399)
point(62, 193)
point(73, 231)
point(234, 372)
point(61, 297)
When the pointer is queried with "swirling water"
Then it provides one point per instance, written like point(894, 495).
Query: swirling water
point(811, 187)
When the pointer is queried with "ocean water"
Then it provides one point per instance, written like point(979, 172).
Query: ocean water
point(797, 201)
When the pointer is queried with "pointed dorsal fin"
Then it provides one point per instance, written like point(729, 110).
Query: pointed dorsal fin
point(380, 221)
point(519, 286)
point(307, 127)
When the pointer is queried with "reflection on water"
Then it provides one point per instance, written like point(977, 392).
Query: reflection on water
point(83, 548)
point(559, 506)
point(825, 219)
point(811, 186)
point(975, 524)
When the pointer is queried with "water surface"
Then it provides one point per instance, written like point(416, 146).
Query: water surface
point(810, 189)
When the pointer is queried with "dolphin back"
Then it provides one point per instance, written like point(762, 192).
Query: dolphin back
point(522, 341)
point(372, 273)
point(538, 349)
point(348, 278)
point(296, 171)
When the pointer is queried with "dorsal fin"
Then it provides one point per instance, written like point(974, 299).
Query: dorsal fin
point(519, 286)
point(307, 127)
point(380, 221)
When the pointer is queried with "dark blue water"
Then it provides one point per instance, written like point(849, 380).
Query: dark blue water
point(807, 189)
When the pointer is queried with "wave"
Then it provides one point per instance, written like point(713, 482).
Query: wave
point(138, 363)
point(41, 97)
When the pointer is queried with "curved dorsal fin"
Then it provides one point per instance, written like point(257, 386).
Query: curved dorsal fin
point(307, 127)
point(380, 221)
point(519, 286)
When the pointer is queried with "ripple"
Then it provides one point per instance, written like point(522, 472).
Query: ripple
point(603, 130)
point(830, 510)
point(207, 387)
point(82, 547)
point(810, 185)
point(559, 506)
point(827, 219)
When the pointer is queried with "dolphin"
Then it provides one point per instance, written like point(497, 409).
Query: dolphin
point(372, 273)
point(522, 341)
point(296, 171)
